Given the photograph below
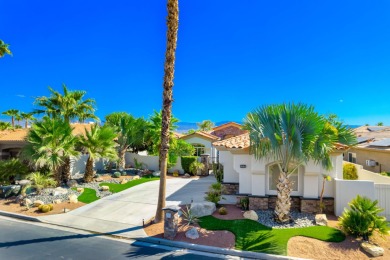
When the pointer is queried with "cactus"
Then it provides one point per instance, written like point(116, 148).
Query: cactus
point(51, 206)
point(45, 208)
point(40, 207)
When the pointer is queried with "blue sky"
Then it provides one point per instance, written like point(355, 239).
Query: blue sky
point(231, 58)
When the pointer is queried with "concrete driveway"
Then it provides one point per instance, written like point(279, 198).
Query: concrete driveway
point(124, 212)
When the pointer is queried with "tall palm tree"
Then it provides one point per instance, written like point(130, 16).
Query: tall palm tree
point(169, 69)
point(49, 142)
point(27, 117)
point(131, 133)
point(4, 49)
point(98, 143)
point(18, 118)
point(292, 134)
point(205, 125)
point(69, 105)
point(12, 113)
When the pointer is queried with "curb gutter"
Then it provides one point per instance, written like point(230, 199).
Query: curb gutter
point(19, 216)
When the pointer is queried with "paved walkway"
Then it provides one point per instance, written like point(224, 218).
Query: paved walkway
point(122, 213)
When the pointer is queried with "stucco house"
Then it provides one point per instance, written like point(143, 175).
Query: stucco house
point(203, 140)
point(12, 141)
point(246, 176)
point(372, 150)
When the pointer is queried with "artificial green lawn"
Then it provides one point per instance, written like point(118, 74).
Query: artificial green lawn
point(253, 236)
point(89, 195)
point(116, 187)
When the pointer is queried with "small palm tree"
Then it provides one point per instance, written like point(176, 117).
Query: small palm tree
point(98, 143)
point(205, 125)
point(169, 69)
point(48, 143)
point(5, 125)
point(12, 113)
point(292, 134)
point(27, 117)
point(4, 49)
point(131, 133)
point(379, 124)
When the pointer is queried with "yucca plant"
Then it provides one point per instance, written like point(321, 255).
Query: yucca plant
point(363, 219)
point(189, 217)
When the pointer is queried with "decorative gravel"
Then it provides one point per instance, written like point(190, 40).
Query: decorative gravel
point(266, 217)
point(47, 197)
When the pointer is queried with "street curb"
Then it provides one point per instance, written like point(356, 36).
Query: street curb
point(212, 249)
point(19, 216)
point(165, 242)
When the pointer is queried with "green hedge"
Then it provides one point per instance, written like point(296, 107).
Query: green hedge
point(186, 162)
point(350, 172)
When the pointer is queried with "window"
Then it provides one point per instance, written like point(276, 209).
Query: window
point(199, 149)
point(352, 157)
point(273, 178)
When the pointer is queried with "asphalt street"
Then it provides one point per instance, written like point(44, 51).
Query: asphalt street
point(25, 240)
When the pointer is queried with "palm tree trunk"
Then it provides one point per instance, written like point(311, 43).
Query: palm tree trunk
point(13, 121)
point(283, 203)
point(66, 170)
point(169, 69)
point(58, 175)
point(122, 158)
point(88, 176)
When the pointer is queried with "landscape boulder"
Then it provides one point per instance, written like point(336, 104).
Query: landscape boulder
point(201, 209)
point(124, 181)
point(156, 174)
point(57, 201)
point(79, 189)
point(24, 182)
point(251, 214)
point(192, 233)
point(100, 179)
point(71, 183)
point(38, 203)
point(59, 191)
point(105, 188)
point(372, 249)
point(321, 220)
point(26, 202)
point(136, 177)
point(73, 198)
point(186, 175)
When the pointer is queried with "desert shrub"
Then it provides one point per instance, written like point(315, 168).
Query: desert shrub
point(41, 181)
point(218, 171)
point(222, 211)
point(385, 174)
point(188, 216)
point(186, 162)
point(124, 173)
point(117, 174)
point(215, 193)
point(244, 203)
point(195, 167)
point(350, 172)
point(363, 219)
point(12, 169)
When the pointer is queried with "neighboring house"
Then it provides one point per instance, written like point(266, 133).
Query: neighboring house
point(203, 141)
point(12, 141)
point(372, 150)
point(244, 175)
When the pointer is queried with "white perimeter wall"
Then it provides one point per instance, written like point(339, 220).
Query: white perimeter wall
point(150, 161)
point(77, 165)
point(346, 190)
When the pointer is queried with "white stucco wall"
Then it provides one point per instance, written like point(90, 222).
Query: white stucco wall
point(209, 148)
point(371, 176)
point(77, 165)
point(346, 190)
point(245, 175)
point(229, 174)
point(150, 161)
